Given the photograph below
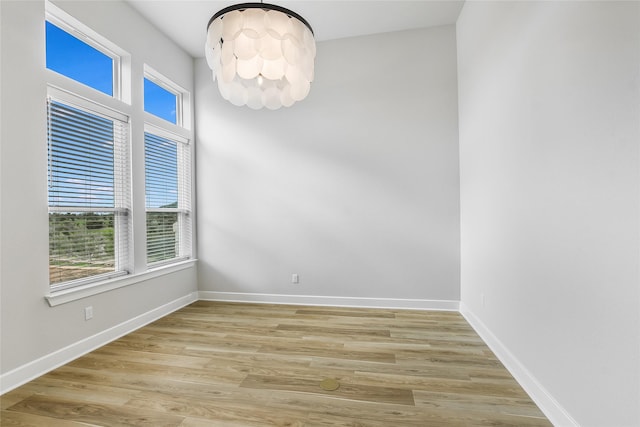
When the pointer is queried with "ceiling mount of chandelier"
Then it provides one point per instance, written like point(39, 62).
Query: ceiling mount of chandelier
point(261, 55)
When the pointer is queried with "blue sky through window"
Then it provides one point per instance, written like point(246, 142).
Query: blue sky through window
point(77, 60)
point(159, 101)
point(72, 57)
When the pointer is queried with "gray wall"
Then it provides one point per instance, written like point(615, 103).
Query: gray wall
point(358, 188)
point(30, 329)
point(549, 158)
point(355, 189)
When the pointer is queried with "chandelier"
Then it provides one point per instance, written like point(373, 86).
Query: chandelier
point(261, 55)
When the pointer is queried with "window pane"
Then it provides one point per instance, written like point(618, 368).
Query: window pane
point(88, 194)
point(161, 172)
point(162, 236)
point(77, 60)
point(81, 244)
point(81, 158)
point(159, 101)
point(167, 202)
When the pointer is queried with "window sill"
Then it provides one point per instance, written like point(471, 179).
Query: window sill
point(79, 292)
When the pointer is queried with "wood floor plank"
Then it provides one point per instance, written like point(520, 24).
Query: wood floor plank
point(350, 391)
point(439, 384)
point(347, 312)
point(199, 375)
point(15, 396)
point(236, 364)
point(307, 348)
point(141, 356)
point(416, 370)
point(79, 391)
point(320, 330)
point(522, 406)
point(102, 415)
point(21, 419)
point(222, 408)
point(199, 422)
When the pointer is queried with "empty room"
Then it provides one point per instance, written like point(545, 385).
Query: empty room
point(319, 213)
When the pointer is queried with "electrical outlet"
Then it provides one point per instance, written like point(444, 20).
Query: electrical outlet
point(88, 313)
point(295, 278)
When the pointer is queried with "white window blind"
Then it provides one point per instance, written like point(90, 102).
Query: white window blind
point(168, 204)
point(88, 192)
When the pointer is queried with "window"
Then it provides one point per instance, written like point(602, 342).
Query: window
point(160, 101)
point(167, 171)
point(88, 193)
point(167, 188)
point(73, 58)
point(90, 182)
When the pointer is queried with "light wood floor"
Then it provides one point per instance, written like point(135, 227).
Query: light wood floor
point(226, 364)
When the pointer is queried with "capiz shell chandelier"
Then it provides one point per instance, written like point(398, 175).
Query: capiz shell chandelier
point(261, 55)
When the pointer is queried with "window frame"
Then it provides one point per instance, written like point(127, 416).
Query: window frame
point(77, 29)
point(76, 94)
point(121, 191)
point(155, 77)
point(124, 103)
point(183, 176)
point(180, 134)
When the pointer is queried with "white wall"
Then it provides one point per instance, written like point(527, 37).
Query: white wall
point(355, 188)
point(549, 105)
point(30, 329)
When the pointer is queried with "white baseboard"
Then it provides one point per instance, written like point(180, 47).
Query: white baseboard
point(545, 401)
point(38, 367)
point(389, 303)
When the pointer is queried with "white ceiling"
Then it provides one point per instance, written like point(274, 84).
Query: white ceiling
point(185, 21)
